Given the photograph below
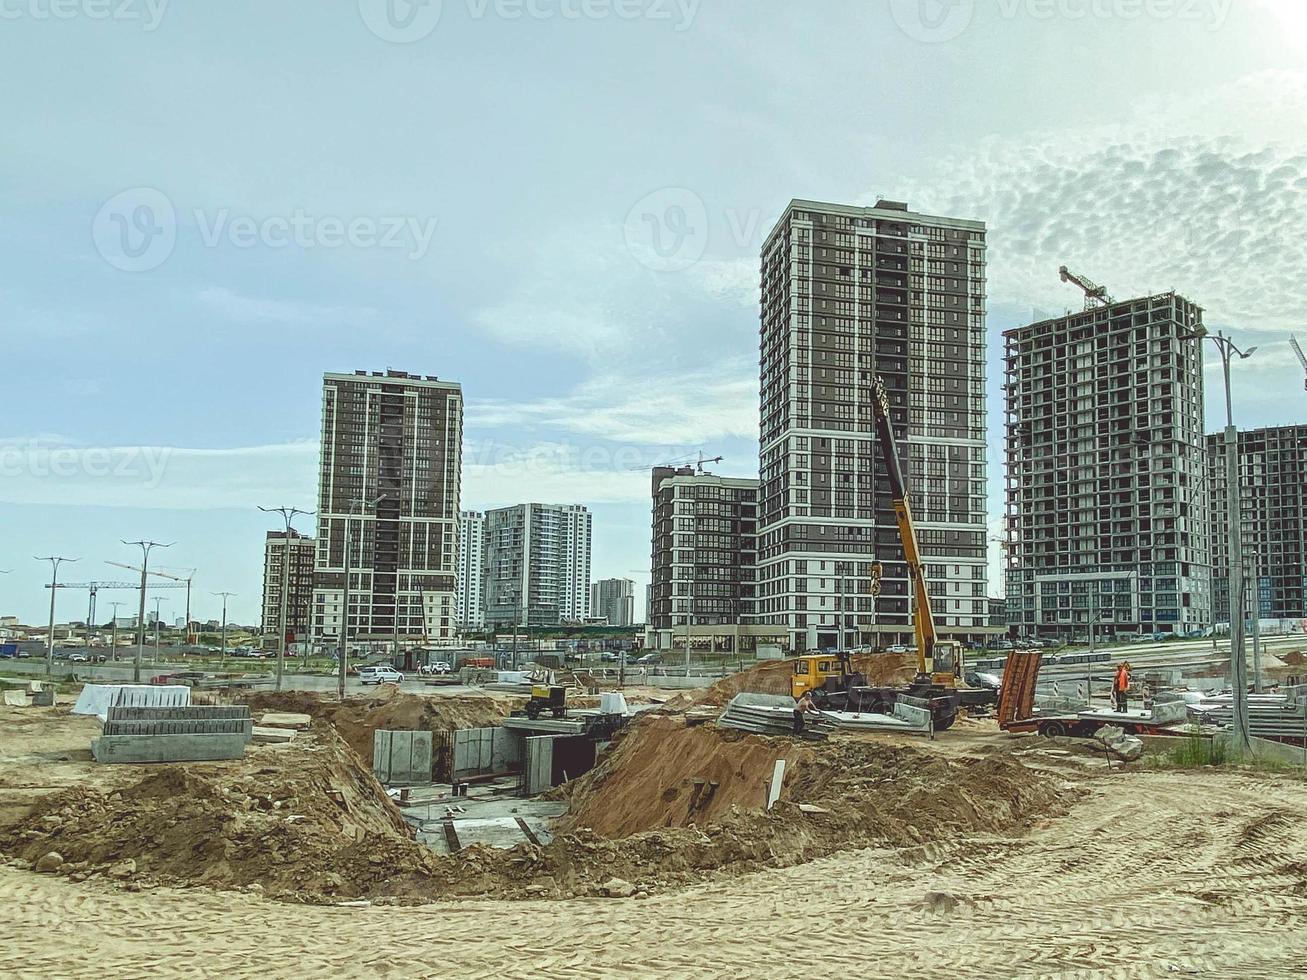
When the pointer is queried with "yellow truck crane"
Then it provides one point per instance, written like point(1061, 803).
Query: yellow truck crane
point(830, 677)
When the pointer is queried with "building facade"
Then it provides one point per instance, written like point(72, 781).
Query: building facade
point(613, 599)
point(536, 565)
point(704, 559)
point(301, 552)
point(1106, 494)
point(849, 294)
point(391, 463)
point(1273, 491)
point(471, 566)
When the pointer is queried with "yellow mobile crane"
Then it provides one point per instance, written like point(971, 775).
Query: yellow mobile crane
point(830, 678)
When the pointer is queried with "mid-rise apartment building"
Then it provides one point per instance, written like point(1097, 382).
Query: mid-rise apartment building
point(849, 294)
point(391, 462)
point(1106, 493)
point(471, 567)
point(536, 565)
point(613, 599)
point(1273, 491)
point(294, 557)
point(704, 551)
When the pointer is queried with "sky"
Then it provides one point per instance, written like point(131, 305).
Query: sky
point(560, 204)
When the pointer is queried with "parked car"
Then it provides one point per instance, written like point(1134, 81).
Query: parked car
point(439, 667)
point(78, 658)
point(380, 675)
point(897, 648)
point(648, 660)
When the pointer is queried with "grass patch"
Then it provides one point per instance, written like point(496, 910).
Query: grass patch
point(1197, 751)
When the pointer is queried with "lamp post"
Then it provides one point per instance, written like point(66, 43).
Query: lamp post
point(113, 632)
point(158, 626)
point(222, 656)
point(1234, 517)
point(288, 514)
point(146, 547)
point(55, 561)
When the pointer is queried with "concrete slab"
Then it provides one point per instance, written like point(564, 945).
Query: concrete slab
point(167, 748)
point(286, 719)
point(545, 726)
point(16, 699)
point(262, 735)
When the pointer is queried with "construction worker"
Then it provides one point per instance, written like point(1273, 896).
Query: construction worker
point(1121, 687)
point(804, 705)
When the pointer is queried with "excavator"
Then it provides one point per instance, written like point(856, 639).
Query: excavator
point(830, 678)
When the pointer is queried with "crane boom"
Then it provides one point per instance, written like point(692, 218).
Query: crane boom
point(1092, 290)
point(928, 642)
point(1293, 342)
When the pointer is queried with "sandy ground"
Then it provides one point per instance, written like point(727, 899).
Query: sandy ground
point(1152, 873)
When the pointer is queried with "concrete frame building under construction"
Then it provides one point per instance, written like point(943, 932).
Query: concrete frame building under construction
point(391, 463)
point(1273, 486)
point(1106, 492)
point(850, 293)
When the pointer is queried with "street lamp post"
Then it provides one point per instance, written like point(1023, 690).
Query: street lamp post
point(288, 514)
point(113, 632)
point(158, 625)
point(222, 656)
point(1234, 517)
point(55, 561)
point(146, 547)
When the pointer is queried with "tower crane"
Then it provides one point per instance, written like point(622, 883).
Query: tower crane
point(1094, 293)
point(94, 588)
point(1293, 342)
point(190, 575)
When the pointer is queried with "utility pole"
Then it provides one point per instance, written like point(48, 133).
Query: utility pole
point(113, 632)
point(222, 657)
point(288, 514)
point(146, 547)
point(158, 624)
point(55, 561)
point(1234, 519)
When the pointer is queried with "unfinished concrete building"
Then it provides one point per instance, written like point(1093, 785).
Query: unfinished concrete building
point(849, 293)
point(1106, 494)
point(390, 470)
point(1273, 488)
point(704, 558)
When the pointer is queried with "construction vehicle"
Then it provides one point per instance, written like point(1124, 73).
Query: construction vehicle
point(547, 697)
point(833, 682)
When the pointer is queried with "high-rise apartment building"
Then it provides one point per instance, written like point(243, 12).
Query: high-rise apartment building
point(850, 293)
point(1107, 498)
point(300, 551)
point(391, 463)
point(537, 565)
point(471, 567)
point(704, 551)
point(613, 599)
point(1273, 490)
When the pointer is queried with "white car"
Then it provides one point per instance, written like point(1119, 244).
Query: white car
point(78, 658)
point(431, 670)
point(380, 675)
point(896, 648)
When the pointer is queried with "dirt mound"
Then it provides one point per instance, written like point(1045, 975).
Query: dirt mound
point(773, 677)
point(301, 821)
point(390, 709)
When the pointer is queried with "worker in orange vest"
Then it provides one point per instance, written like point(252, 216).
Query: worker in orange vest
point(1121, 686)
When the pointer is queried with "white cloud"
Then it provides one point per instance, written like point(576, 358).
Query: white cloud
point(255, 309)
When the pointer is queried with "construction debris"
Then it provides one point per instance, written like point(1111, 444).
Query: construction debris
point(771, 714)
point(286, 719)
point(1279, 717)
point(1125, 747)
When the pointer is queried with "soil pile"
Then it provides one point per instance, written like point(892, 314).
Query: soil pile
point(390, 709)
point(303, 821)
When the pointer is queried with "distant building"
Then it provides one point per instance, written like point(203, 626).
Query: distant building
point(1273, 490)
point(1107, 497)
point(537, 565)
point(303, 552)
point(390, 472)
point(471, 567)
point(614, 600)
point(704, 554)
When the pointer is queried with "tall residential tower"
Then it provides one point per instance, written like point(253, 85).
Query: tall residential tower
point(537, 565)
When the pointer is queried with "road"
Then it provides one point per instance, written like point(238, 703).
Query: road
point(121, 673)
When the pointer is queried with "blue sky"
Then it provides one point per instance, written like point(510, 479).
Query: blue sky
point(560, 204)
